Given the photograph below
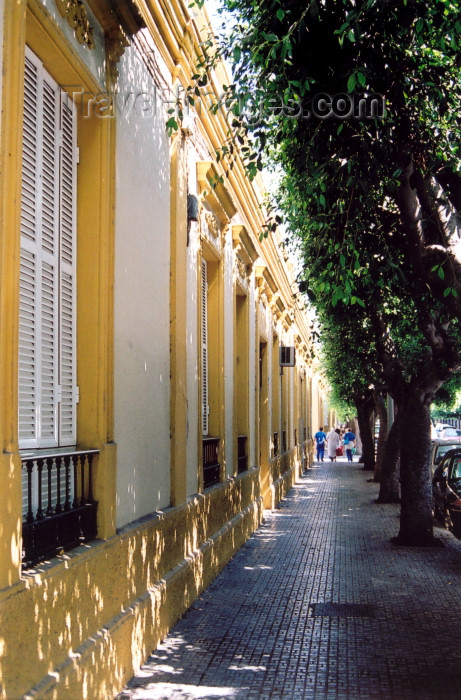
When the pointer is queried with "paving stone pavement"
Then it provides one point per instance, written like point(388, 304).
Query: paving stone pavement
point(319, 604)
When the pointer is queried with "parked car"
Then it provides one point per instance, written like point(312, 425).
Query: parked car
point(446, 491)
point(451, 433)
point(439, 449)
point(441, 426)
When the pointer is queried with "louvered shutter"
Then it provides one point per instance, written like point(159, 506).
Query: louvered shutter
point(41, 268)
point(204, 347)
point(67, 335)
point(28, 257)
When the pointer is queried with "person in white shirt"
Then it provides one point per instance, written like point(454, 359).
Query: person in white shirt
point(333, 441)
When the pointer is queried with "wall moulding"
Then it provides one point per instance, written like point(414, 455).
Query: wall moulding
point(214, 192)
point(120, 20)
point(75, 13)
point(116, 43)
point(270, 280)
point(117, 13)
point(212, 223)
point(244, 246)
point(242, 270)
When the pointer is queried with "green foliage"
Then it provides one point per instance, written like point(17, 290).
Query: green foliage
point(343, 177)
point(448, 398)
point(351, 187)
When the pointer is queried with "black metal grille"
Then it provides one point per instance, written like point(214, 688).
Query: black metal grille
point(59, 511)
point(276, 444)
point(211, 466)
point(242, 458)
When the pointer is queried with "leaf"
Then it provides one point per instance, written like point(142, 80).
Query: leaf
point(441, 273)
point(280, 14)
point(352, 82)
point(172, 125)
point(237, 53)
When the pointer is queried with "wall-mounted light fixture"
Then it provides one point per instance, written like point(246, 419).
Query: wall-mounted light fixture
point(192, 207)
point(287, 356)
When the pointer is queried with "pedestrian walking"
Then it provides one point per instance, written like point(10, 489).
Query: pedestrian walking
point(339, 449)
point(333, 441)
point(320, 438)
point(349, 444)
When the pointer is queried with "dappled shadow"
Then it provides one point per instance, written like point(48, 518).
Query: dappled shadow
point(255, 621)
point(167, 673)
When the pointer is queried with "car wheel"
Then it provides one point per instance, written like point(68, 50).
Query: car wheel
point(436, 510)
point(447, 519)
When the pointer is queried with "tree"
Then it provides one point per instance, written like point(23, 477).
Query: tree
point(351, 366)
point(372, 196)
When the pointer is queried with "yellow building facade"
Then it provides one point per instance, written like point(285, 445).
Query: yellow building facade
point(156, 373)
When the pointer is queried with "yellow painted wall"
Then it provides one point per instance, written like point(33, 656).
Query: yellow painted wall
point(118, 598)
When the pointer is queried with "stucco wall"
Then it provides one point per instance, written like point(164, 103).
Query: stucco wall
point(2, 10)
point(252, 371)
point(229, 349)
point(142, 248)
point(193, 369)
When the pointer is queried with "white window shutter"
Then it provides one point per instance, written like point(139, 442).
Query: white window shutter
point(28, 400)
point(27, 354)
point(40, 322)
point(67, 364)
point(204, 346)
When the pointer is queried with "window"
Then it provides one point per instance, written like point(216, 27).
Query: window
point(204, 347)
point(456, 469)
point(47, 343)
point(241, 380)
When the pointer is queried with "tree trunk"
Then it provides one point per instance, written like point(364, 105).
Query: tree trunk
point(389, 490)
point(364, 418)
point(381, 410)
point(415, 446)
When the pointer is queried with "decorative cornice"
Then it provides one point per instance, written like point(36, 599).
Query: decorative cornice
point(215, 192)
point(270, 280)
point(244, 245)
point(75, 13)
point(116, 43)
point(259, 273)
point(117, 13)
point(120, 20)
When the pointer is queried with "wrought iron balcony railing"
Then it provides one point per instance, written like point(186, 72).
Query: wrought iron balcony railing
point(242, 457)
point(211, 466)
point(59, 511)
point(275, 449)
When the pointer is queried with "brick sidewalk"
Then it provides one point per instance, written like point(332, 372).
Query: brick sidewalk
point(319, 604)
